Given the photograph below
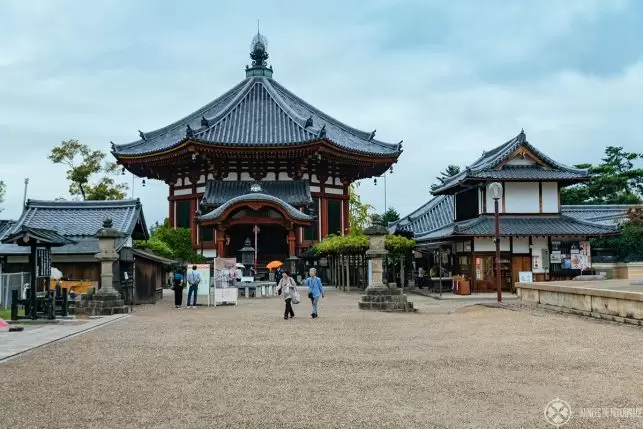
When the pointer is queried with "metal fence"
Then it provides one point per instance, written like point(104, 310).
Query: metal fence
point(9, 282)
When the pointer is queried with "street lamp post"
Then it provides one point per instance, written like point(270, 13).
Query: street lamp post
point(495, 192)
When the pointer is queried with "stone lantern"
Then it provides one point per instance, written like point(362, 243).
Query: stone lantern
point(247, 253)
point(378, 295)
point(107, 300)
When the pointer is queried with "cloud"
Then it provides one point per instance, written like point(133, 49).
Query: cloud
point(450, 79)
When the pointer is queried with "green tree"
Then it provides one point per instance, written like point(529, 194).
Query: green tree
point(450, 171)
point(629, 243)
point(3, 189)
point(616, 180)
point(90, 177)
point(391, 215)
point(359, 212)
point(172, 243)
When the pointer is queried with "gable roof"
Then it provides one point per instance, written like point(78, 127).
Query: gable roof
point(435, 214)
point(5, 226)
point(257, 112)
point(487, 168)
point(79, 221)
point(293, 192)
point(45, 237)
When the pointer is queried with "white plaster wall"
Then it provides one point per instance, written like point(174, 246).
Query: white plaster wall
point(334, 191)
point(487, 245)
point(550, 197)
point(480, 201)
point(182, 191)
point(270, 176)
point(522, 197)
point(283, 176)
point(315, 189)
point(490, 208)
point(521, 245)
point(209, 253)
point(521, 161)
point(231, 176)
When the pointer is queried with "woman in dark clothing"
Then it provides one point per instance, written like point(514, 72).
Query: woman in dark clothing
point(178, 289)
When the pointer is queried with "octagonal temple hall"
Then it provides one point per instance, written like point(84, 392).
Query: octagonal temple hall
point(258, 158)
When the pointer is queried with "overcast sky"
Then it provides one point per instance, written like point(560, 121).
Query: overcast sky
point(450, 78)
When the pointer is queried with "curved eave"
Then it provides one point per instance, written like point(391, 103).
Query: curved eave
point(254, 148)
point(260, 200)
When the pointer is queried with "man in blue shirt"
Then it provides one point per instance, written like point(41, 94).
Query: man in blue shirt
point(194, 278)
point(315, 290)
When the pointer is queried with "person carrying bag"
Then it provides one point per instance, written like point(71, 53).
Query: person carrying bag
point(288, 289)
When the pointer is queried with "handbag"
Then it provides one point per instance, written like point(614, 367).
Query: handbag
point(296, 298)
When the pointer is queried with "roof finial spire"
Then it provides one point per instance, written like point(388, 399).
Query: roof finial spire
point(259, 55)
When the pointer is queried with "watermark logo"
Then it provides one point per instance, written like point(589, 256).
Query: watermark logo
point(558, 412)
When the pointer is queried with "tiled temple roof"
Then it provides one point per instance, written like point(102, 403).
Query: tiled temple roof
point(487, 167)
point(79, 221)
point(260, 197)
point(604, 214)
point(258, 112)
point(293, 192)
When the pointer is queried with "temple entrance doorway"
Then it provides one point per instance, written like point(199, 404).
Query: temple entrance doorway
point(272, 242)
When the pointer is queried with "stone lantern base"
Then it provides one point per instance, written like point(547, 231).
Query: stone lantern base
point(103, 304)
point(385, 299)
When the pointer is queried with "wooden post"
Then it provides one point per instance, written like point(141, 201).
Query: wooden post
point(348, 274)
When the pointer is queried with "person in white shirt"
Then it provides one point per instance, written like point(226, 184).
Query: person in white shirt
point(193, 278)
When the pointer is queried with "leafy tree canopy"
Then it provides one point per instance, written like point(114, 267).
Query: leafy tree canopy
point(629, 244)
point(359, 212)
point(358, 243)
point(90, 178)
point(172, 243)
point(391, 215)
point(449, 172)
point(616, 180)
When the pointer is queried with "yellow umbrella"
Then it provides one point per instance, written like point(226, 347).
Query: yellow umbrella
point(274, 264)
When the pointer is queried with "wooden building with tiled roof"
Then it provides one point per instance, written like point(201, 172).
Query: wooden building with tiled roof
point(78, 221)
point(258, 156)
point(538, 234)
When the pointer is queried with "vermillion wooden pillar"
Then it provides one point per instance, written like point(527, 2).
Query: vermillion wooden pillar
point(346, 216)
point(220, 242)
point(291, 242)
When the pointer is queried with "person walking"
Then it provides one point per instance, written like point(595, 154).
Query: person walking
point(288, 289)
point(178, 289)
point(421, 273)
point(315, 290)
point(194, 278)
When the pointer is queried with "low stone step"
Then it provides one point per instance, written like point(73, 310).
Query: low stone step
point(388, 306)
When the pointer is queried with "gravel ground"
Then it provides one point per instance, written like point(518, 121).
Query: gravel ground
point(452, 365)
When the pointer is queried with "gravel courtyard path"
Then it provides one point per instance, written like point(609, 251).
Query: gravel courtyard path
point(452, 365)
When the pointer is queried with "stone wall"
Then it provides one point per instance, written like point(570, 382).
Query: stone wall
point(593, 301)
point(620, 270)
